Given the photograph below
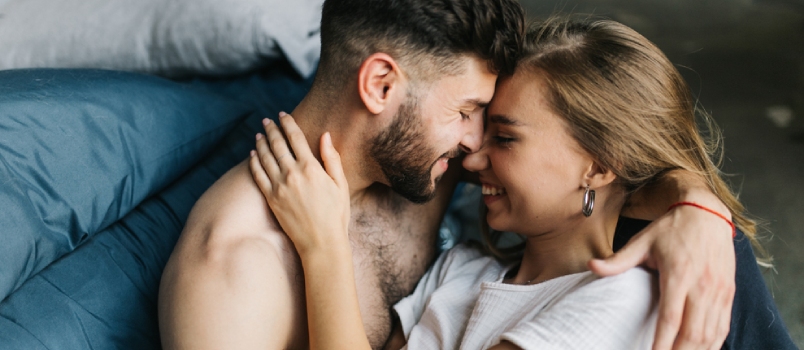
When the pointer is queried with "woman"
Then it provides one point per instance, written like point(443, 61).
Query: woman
point(593, 112)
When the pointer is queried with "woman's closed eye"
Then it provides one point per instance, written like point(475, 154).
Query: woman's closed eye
point(503, 140)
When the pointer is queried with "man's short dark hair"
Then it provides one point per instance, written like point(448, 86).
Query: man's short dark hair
point(420, 34)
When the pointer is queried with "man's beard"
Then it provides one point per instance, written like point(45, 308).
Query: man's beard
point(402, 152)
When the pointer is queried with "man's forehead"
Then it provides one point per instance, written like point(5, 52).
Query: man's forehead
point(458, 95)
point(473, 95)
point(473, 88)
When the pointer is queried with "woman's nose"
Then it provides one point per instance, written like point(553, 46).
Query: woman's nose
point(476, 161)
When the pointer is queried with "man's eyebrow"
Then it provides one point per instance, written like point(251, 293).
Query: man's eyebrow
point(476, 102)
point(501, 119)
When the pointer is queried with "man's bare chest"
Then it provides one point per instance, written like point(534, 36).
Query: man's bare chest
point(394, 251)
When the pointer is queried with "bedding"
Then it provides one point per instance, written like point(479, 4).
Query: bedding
point(103, 295)
point(80, 148)
point(173, 38)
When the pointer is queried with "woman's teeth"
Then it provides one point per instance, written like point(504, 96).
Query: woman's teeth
point(489, 190)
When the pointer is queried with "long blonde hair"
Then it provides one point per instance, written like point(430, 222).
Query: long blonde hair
point(626, 105)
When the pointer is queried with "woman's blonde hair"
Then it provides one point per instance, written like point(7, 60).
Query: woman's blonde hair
point(626, 105)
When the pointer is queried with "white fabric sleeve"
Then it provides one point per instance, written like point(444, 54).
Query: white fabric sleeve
point(411, 308)
point(617, 312)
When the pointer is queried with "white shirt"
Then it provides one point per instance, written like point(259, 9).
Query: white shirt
point(461, 303)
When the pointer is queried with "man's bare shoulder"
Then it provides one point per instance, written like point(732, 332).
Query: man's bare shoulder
point(234, 277)
point(231, 222)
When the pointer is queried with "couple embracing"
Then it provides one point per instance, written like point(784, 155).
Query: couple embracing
point(566, 125)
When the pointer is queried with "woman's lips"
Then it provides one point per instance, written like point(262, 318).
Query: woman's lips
point(492, 193)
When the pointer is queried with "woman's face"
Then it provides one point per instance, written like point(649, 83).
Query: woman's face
point(531, 169)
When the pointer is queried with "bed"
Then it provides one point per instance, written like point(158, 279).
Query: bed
point(102, 159)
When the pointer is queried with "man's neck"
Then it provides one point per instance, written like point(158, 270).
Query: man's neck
point(314, 121)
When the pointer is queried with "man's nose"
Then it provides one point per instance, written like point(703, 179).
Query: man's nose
point(476, 161)
point(473, 139)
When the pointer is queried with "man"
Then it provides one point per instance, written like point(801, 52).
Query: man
point(402, 87)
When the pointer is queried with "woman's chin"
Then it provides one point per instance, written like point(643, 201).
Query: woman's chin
point(496, 222)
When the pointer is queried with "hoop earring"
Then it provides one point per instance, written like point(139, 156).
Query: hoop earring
point(588, 201)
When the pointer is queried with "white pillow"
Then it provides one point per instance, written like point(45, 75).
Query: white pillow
point(166, 37)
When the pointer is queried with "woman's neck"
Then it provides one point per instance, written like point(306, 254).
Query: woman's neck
point(568, 250)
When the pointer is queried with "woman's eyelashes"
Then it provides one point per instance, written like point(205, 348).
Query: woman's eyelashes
point(503, 140)
point(464, 116)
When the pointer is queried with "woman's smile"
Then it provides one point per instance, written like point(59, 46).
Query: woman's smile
point(492, 193)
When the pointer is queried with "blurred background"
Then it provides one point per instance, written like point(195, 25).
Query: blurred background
point(744, 60)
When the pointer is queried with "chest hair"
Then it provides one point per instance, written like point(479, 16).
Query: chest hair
point(393, 246)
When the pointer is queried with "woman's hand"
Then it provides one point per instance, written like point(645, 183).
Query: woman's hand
point(310, 202)
point(312, 205)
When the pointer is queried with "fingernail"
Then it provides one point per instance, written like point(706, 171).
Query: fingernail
point(282, 114)
point(266, 121)
point(328, 139)
point(259, 136)
point(253, 153)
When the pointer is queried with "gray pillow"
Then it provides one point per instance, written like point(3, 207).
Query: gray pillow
point(173, 38)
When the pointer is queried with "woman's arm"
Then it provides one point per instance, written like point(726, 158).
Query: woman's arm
point(312, 206)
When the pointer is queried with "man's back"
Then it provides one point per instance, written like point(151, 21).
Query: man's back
point(234, 279)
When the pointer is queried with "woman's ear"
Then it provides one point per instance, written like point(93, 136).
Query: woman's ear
point(598, 176)
point(378, 78)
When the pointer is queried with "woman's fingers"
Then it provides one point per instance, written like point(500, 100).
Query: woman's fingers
point(279, 147)
point(295, 137)
point(259, 175)
point(266, 158)
point(332, 161)
point(308, 200)
point(636, 252)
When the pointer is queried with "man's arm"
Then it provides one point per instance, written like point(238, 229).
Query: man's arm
point(692, 250)
point(233, 279)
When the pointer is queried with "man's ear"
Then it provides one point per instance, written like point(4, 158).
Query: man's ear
point(378, 78)
point(598, 176)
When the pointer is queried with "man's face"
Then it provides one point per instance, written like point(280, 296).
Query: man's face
point(432, 126)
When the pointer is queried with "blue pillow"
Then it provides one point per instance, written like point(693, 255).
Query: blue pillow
point(80, 148)
point(103, 295)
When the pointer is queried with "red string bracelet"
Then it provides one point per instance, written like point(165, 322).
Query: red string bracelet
point(733, 229)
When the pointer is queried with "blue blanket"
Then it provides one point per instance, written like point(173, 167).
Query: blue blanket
point(103, 294)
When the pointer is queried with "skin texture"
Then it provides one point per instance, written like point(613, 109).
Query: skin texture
point(234, 279)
